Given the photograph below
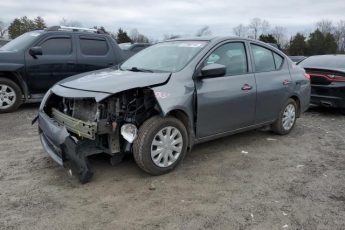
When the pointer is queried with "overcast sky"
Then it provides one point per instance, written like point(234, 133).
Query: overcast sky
point(157, 17)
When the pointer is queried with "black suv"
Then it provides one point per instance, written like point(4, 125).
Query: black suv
point(35, 61)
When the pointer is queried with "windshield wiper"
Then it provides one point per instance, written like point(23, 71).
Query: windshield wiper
point(136, 69)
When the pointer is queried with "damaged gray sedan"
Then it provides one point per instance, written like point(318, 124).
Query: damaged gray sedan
point(168, 97)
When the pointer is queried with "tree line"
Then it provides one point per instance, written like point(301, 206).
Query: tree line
point(325, 39)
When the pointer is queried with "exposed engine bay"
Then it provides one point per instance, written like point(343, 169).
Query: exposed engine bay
point(109, 126)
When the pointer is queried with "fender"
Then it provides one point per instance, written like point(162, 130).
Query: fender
point(172, 102)
point(14, 70)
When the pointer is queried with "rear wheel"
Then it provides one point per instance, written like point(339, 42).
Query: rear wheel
point(161, 145)
point(287, 118)
point(10, 96)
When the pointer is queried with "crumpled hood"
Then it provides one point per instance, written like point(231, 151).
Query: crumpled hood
point(113, 81)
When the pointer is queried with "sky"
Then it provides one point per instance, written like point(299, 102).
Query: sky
point(155, 18)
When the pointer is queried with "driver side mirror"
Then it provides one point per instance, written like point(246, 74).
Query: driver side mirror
point(213, 70)
point(35, 51)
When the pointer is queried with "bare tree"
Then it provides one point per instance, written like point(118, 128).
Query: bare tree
point(325, 26)
point(204, 31)
point(339, 35)
point(3, 29)
point(278, 32)
point(265, 26)
point(257, 27)
point(240, 30)
point(170, 36)
point(254, 27)
point(65, 22)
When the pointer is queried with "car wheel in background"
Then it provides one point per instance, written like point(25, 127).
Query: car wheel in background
point(287, 118)
point(161, 145)
point(10, 96)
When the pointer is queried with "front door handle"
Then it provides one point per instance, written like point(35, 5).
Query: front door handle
point(246, 87)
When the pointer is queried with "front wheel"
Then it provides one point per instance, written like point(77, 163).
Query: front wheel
point(287, 118)
point(10, 96)
point(161, 145)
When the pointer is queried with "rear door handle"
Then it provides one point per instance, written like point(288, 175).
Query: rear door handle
point(286, 82)
point(246, 87)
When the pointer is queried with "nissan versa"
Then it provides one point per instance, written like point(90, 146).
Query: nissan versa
point(168, 97)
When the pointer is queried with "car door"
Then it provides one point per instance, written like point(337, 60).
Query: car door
point(273, 82)
point(226, 103)
point(93, 53)
point(58, 61)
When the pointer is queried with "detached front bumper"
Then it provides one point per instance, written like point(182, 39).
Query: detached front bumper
point(62, 148)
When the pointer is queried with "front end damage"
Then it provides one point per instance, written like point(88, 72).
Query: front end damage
point(71, 129)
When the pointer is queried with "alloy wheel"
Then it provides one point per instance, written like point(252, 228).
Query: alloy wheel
point(7, 96)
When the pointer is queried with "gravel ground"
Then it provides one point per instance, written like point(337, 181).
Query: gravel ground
point(253, 180)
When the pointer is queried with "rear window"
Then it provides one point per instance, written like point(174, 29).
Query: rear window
point(94, 47)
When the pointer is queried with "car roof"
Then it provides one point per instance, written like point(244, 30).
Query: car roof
point(219, 39)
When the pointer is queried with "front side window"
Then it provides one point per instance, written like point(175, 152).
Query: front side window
point(232, 56)
point(57, 46)
point(263, 59)
point(93, 47)
point(170, 56)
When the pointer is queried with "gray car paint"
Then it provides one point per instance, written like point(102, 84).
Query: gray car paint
point(113, 81)
point(202, 100)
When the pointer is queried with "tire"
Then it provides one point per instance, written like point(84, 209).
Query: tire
point(149, 142)
point(278, 127)
point(10, 96)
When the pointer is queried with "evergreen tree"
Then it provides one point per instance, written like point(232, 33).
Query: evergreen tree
point(268, 38)
point(321, 43)
point(122, 36)
point(298, 45)
point(23, 25)
point(40, 23)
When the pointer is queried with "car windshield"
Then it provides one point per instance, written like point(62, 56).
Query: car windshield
point(170, 56)
point(21, 42)
point(328, 61)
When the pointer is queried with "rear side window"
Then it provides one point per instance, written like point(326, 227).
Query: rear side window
point(278, 60)
point(263, 59)
point(93, 47)
point(57, 46)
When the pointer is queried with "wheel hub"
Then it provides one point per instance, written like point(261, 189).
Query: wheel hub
point(7, 96)
point(166, 147)
point(289, 117)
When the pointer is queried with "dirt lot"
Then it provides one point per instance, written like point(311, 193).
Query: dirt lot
point(254, 180)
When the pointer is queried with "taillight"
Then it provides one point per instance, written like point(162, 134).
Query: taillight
point(307, 76)
point(337, 78)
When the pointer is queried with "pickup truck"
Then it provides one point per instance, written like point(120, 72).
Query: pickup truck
point(35, 61)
